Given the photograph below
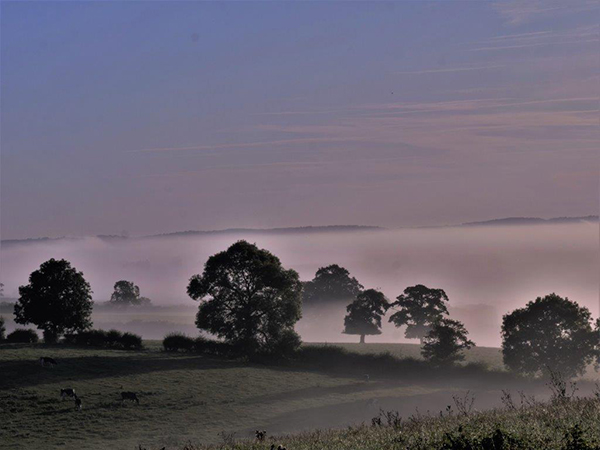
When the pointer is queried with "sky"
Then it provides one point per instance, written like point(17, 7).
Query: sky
point(151, 117)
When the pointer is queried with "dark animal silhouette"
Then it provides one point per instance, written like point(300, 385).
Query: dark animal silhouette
point(68, 392)
point(46, 361)
point(260, 435)
point(77, 403)
point(129, 396)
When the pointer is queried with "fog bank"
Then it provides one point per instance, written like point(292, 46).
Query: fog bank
point(486, 271)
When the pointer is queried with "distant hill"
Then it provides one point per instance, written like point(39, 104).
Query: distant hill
point(246, 231)
point(509, 221)
point(531, 221)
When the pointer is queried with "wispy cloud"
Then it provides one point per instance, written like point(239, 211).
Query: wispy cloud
point(450, 69)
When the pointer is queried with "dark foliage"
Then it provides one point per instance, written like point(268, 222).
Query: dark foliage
point(126, 293)
point(2, 329)
point(550, 332)
point(365, 313)
point(105, 339)
point(131, 341)
point(212, 347)
point(445, 342)
point(247, 298)
point(174, 342)
point(22, 336)
point(331, 283)
point(57, 299)
point(418, 308)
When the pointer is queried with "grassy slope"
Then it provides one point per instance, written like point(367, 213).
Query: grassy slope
point(190, 398)
point(568, 424)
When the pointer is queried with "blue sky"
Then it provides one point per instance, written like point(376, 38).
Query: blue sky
point(149, 117)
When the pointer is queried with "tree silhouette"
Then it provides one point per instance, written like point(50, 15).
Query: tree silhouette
point(331, 283)
point(445, 342)
point(418, 308)
point(248, 299)
point(364, 314)
point(57, 299)
point(549, 333)
point(126, 293)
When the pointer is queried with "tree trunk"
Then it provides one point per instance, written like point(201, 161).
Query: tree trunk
point(362, 338)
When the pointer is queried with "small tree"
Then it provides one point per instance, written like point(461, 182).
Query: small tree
point(549, 333)
point(418, 308)
point(248, 299)
point(445, 342)
point(331, 283)
point(365, 313)
point(57, 299)
point(125, 294)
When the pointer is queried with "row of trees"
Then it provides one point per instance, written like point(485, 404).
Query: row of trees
point(249, 300)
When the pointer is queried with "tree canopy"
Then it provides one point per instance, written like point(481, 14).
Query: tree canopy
point(418, 308)
point(331, 283)
point(549, 333)
point(127, 293)
point(445, 342)
point(365, 313)
point(57, 299)
point(248, 299)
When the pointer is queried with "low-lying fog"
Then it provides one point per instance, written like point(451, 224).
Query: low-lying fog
point(486, 271)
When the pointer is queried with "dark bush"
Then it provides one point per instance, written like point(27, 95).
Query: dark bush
point(107, 339)
point(212, 347)
point(23, 335)
point(284, 347)
point(130, 341)
point(2, 329)
point(50, 337)
point(174, 342)
point(114, 338)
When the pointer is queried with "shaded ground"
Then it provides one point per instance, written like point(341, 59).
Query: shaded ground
point(191, 398)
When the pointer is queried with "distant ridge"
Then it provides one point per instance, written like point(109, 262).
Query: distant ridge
point(532, 221)
point(508, 221)
point(290, 230)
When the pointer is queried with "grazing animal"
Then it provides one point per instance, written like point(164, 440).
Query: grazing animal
point(67, 393)
point(45, 360)
point(129, 396)
point(77, 403)
point(260, 435)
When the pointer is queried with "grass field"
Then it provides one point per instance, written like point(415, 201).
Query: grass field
point(195, 399)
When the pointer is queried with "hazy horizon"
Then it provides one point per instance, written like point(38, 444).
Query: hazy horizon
point(486, 271)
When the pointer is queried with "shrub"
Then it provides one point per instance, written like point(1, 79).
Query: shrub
point(174, 342)
point(285, 346)
point(130, 341)
point(212, 347)
point(113, 338)
point(2, 329)
point(50, 337)
point(108, 339)
point(23, 335)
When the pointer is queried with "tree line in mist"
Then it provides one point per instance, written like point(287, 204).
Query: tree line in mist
point(251, 303)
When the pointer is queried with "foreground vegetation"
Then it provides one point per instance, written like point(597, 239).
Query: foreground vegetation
point(561, 424)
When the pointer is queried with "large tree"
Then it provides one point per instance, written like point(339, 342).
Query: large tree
point(249, 299)
point(549, 333)
point(125, 293)
point(57, 299)
point(331, 283)
point(445, 342)
point(418, 308)
point(365, 313)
